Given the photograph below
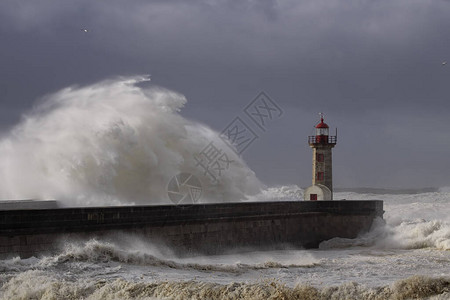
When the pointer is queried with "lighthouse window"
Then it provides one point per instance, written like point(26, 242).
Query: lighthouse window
point(320, 176)
point(319, 157)
point(322, 131)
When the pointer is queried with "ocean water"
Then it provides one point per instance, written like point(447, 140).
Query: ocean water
point(406, 257)
point(117, 143)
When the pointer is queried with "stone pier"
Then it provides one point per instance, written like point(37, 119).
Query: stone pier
point(191, 229)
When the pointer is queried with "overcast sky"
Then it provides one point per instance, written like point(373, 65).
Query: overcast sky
point(374, 68)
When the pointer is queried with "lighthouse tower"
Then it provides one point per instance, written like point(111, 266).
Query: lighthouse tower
point(322, 176)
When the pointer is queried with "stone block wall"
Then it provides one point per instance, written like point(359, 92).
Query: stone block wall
point(190, 229)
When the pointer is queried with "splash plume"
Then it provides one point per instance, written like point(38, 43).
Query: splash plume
point(112, 142)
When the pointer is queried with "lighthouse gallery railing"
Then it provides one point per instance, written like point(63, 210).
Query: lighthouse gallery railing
point(317, 139)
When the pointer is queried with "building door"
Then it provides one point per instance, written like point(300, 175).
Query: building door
point(313, 197)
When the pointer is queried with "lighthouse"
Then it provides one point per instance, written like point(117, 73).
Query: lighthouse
point(322, 169)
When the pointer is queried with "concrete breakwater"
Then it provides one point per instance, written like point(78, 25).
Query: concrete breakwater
point(191, 229)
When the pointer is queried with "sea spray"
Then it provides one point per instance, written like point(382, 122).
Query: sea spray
point(112, 142)
point(135, 251)
point(411, 221)
point(279, 193)
point(415, 234)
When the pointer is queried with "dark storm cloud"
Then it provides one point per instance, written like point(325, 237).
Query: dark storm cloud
point(333, 50)
point(362, 62)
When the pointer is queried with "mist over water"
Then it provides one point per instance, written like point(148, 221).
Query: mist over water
point(112, 143)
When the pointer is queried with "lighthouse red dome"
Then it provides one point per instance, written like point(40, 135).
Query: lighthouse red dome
point(322, 136)
point(322, 124)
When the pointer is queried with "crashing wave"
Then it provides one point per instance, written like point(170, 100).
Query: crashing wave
point(113, 143)
point(416, 234)
point(96, 251)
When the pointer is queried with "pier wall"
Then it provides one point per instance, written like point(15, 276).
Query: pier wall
point(191, 229)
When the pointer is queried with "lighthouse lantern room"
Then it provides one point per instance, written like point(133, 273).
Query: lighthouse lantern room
point(322, 179)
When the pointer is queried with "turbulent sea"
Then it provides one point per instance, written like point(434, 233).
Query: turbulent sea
point(408, 257)
point(118, 143)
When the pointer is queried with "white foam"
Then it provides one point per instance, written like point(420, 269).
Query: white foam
point(135, 251)
point(279, 193)
point(42, 285)
point(112, 143)
point(413, 221)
